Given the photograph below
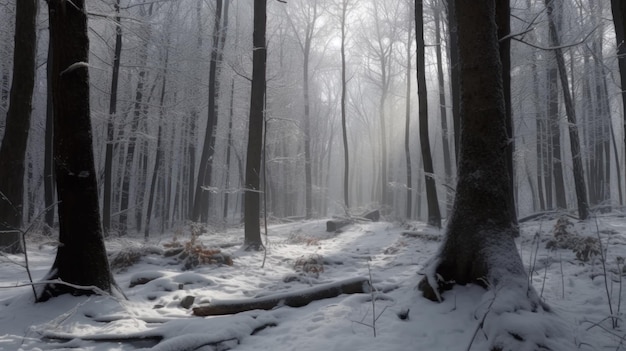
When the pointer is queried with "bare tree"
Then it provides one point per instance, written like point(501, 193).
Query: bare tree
point(434, 216)
point(579, 178)
point(81, 256)
point(201, 197)
point(13, 148)
point(108, 163)
point(479, 246)
point(252, 198)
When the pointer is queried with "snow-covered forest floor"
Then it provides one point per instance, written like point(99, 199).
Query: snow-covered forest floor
point(302, 255)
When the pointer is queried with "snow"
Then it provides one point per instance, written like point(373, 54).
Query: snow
point(152, 317)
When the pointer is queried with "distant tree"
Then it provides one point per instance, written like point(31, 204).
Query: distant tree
point(81, 256)
point(201, 197)
point(13, 148)
point(308, 12)
point(343, 18)
point(407, 125)
point(252, 196)
point(443, 108)
point(579, 177)
point(434, 215)
point(108, 158)
point(479, 246)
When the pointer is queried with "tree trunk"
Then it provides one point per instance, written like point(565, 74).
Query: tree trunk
point(618, 8)
point(159, 150)
point(252, 197)
point(14, 142)
point(479, 246)
point(201, 198)
point(344, 127)
point(108, 159)
point(407, 131)
point(503, 22)
point(434, 216)
point(228, 147)
point(443, 114)
point(579, 178)
point(454, 64)
point(81, 256)
point(48, 168)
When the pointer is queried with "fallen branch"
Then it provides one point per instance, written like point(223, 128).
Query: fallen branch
point(292, 299)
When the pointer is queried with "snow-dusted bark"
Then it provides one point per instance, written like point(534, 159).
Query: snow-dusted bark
point(479, 246)
point(81, 256)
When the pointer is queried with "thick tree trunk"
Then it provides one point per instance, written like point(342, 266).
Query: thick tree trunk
point(434, 216)
point(13, 147)
point(252, 198)
point(480, 230)
point(81, 256)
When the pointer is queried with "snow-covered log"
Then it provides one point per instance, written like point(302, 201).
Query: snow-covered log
point(292, 299)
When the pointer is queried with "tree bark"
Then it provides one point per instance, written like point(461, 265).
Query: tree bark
point(14, 142)
point(81, 256)
point(480, 230)
point(503, 22)
point(252, 198)
point(434, 216)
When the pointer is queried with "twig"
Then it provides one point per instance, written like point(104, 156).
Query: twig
point(482, 322)
point(603, 261)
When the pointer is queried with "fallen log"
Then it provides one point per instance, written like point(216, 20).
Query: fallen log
point(373, 216)
point(292, 299)
point(335, 224)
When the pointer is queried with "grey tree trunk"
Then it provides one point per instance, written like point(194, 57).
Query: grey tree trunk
point(344, 127)
point(434, 216)
point(443, 111)
point(618, 8)
point(201, 197)
point(108, 159)
point(503, 21)
point(407, 130)
point(159, 150)
point(252, 239)
point(48, 168)
point(13, 147)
